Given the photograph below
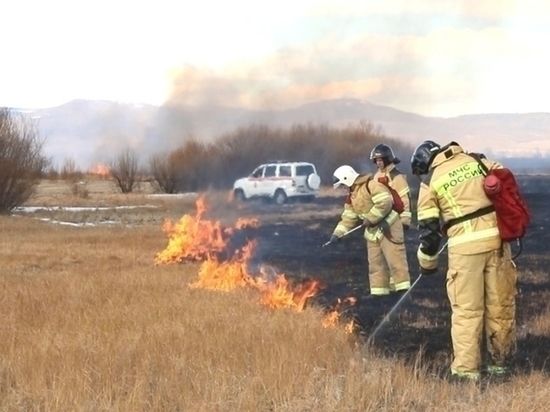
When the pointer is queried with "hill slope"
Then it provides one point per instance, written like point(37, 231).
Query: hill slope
point(92, 131)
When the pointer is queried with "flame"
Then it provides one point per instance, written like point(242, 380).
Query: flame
point(194, 238)
point(226, 262)
point(333, 318)
point(223, 276)
point(226, 276)
point(282, 294)
point(101, 170)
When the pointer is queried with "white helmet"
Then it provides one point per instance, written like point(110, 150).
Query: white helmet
point(344, 175)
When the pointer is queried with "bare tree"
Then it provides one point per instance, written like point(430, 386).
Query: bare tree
point(69, 170)
point(124, 170)
point(164, 171)
point(52, 172)
point(186, 168)
point(192, 162)
point(22, 162)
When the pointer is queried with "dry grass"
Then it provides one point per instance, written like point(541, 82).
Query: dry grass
point(101, 192)
point(89, 323)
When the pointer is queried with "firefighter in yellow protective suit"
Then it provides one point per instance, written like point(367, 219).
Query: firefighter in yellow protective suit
point(481, 277)
point(370, 203)
point(383, 157)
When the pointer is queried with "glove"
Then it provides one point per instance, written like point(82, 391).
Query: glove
point(367, 223)
point(406, 227)
point(429, 236)
point(427, 272)
point(333, 239)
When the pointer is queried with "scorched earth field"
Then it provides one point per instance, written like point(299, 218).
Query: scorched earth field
point(292, 244)
point(194, 302)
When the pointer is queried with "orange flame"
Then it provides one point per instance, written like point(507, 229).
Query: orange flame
point(281, 294)
point(332, 319)
point(197, 239)
point(226, 276)
point(101, 170)
point(226, 266)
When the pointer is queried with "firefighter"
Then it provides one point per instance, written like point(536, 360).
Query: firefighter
point(481, 276)
point(385, 161)
point(369, 202)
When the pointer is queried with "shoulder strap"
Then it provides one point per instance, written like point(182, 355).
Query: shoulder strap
point(367, 184)
point(482, 166)
point(394, 173)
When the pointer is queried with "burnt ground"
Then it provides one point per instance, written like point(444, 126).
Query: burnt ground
point(420, 326)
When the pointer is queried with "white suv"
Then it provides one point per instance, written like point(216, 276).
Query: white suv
point(279, 181)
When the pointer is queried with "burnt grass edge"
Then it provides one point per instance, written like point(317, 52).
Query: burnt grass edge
point(419, 328)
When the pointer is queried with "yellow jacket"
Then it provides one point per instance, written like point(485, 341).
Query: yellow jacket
point(371, 200)
point(398, 181)
point(453, 188)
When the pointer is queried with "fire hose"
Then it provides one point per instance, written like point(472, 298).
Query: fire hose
point(394, 308)
point(345, 234)
point(385, 230)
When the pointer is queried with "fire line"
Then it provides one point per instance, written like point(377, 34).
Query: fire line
point(226, 253)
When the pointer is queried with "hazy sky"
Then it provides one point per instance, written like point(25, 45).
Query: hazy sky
point(432, 57)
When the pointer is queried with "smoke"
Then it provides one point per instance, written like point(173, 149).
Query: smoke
point(408, 57)
point(193, 87)
point(444, 59)
point(117, 129)
point(433, 58)
point(417, 65)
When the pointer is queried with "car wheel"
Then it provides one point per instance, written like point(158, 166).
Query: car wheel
point(280, 197)
point(238, 195)
point(313, 181)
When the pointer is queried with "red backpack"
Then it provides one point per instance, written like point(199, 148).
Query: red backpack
point(397, 202)
point(501, 188)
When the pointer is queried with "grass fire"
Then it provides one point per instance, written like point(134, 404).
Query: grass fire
point(226, 254)
point(103, 310)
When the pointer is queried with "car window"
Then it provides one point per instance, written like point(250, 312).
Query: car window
point(285, 171)
point(258, 172)
point(304, 170)
point(270, 171)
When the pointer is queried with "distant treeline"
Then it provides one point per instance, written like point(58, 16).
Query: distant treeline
point(535, 164)
point(199, 165)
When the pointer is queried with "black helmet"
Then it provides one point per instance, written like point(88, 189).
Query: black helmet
point(423, 156)
point(383, 151)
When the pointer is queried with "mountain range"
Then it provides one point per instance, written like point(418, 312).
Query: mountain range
point(91, 132)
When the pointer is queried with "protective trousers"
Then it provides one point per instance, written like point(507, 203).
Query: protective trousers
point(482, 290)
point(387, 259)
